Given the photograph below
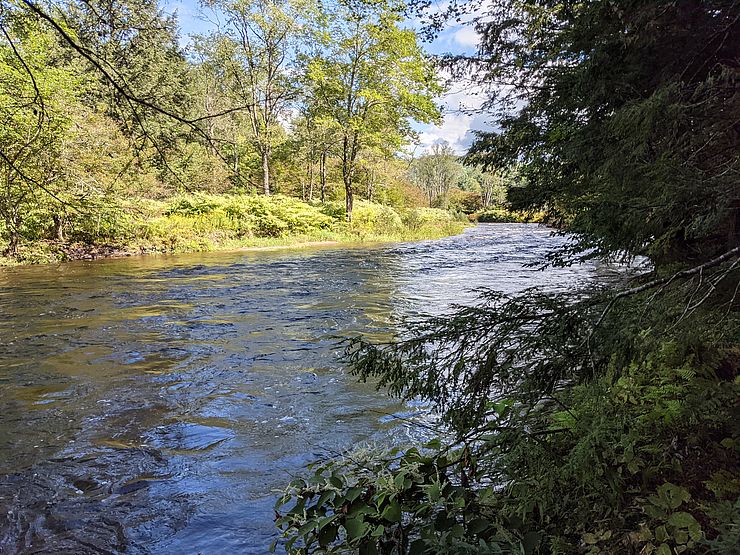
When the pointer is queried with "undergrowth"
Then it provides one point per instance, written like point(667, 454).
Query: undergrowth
point(574, 423)
point(201, 222)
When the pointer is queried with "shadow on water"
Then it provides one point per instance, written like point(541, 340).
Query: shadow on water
point(153, 405)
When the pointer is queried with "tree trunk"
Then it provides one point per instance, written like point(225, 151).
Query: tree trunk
point(347, 171)
point(11, 225)
point(322, 170)
point(350, 199)
point(12, 249)
point(266, 171)
point(310, 181)
point(58, 227)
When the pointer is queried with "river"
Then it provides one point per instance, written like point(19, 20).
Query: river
point(155, 404)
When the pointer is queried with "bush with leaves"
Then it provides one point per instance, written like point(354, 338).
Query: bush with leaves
point(575, 421)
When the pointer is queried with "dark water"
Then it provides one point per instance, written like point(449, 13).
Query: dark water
point(153, 405)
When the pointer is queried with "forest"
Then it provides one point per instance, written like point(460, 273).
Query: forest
point(118, 135)
point(596, 417)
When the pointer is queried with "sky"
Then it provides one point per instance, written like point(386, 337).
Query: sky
point(460, 104)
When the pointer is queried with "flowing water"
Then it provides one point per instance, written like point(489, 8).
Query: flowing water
point(155, 404)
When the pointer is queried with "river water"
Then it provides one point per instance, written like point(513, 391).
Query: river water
point(155, 404)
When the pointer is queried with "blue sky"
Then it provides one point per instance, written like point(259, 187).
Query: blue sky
point(458, 123)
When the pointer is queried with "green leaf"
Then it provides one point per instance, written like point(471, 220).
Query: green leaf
point(326, 496)
point(359, 508)
point(327, 535)
point(352, 494)
point(682, 520)
point(323, 521)
point(673, 496)
point(530, 541)
point(392, 512)
point(433, 444)
point(308, 527)
point(663, 549)
point(661, 534)
point(433, 492)
point(695, 532)
point(355, 527)
point(681, 536)
point(478, 525)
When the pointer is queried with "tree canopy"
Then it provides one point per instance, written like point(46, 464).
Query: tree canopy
point(623, 117)
point(369, 76)
point(277, 95)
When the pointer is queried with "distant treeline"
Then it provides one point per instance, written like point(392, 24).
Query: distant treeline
point(102, 102)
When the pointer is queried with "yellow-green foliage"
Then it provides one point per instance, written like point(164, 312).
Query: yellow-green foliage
point(502, 215)
point(250, 216)
point(203, 222)
point(376, 218)
point(371, 221)
point(417, 218)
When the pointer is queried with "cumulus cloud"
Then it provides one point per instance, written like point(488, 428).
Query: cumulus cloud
point(455, 130)
point(463, 113)
point(466, 36)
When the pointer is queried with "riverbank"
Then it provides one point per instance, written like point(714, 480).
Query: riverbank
point(198, 223)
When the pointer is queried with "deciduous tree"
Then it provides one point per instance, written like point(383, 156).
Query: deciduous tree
point(371, 78)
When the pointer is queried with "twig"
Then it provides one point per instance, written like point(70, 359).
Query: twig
point(664, 282)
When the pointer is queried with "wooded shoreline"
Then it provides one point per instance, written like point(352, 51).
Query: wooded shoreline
point(205, 223)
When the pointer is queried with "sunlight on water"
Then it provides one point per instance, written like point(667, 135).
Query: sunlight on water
point(155, 404)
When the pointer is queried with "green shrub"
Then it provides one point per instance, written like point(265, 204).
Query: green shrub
point(502, 215)
point(202, 221)
point(370, 218)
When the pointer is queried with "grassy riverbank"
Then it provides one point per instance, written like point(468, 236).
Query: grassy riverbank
point(193, 223)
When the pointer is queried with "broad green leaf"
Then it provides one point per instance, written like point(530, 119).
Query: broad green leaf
point(355, 527)
point(682, 520)
point(392, 512)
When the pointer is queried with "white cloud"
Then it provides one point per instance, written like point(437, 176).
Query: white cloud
point(462, 115)
point(464, 98)
point(453, 130)
point(467, 37)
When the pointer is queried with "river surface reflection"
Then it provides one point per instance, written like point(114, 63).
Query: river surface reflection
point(154, 404)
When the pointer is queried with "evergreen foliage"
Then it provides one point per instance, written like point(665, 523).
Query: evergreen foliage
point(598, 420)
point(628, 129)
